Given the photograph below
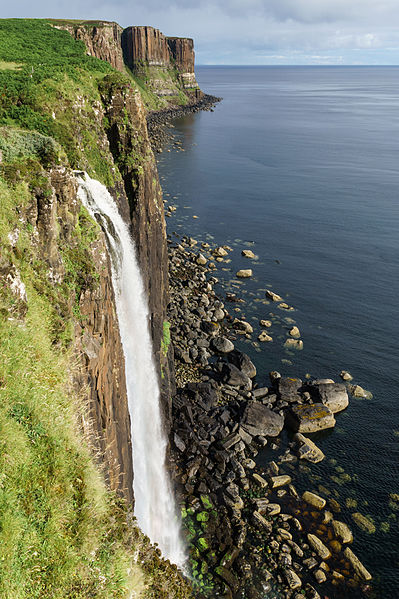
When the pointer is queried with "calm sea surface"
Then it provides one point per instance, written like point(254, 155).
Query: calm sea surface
point(301, 165)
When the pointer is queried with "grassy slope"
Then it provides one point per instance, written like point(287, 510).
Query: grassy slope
point(62, 534)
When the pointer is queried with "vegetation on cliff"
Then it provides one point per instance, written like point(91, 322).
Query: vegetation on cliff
point(63, 533)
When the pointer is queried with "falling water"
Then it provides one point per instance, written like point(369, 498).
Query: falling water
point(154, 501)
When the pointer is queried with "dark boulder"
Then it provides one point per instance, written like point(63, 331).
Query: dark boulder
point(243, 363)
point(260, 420)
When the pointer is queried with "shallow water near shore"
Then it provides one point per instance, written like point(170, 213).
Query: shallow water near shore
point(300, 165)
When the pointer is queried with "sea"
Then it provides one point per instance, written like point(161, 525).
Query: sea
point(301, 166)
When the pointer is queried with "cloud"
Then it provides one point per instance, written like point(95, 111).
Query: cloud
point(234, 31)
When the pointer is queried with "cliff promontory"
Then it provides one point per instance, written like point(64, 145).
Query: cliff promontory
point(66, 460)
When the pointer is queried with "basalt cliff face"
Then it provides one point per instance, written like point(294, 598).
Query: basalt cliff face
point(145, 48)
point(101, 38)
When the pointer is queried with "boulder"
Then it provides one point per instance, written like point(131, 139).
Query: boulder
point(293, 344)
point(280, 481)
point(358, 391)
point(248, 254)
point(242, 326)
point(342, 531)
point(314, 500)
point(294, 332)
point(310, 418)
point(332, 395)
point(265, 323)
point(263, 337)
point(345, 375)
point(357, 565)
point(260, 420)
point(243, 363)
point(233, 376)
point(201, 260)
point(220, 252)
point(222, 345)
point(260, 392)
point(293, 580)
point(288, 388)
point(273, 296)
point(319, 547)
point(244, 273)
point(308, 450)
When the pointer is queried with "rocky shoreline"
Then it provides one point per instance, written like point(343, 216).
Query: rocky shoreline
point(158, 120)
point(250, 533)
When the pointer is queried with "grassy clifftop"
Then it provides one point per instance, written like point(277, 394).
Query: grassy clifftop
point(63, 534)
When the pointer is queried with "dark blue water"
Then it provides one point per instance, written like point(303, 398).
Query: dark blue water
point(301, 165)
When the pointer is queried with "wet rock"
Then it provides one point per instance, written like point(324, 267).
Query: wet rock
point(320, 576)
point(201, 260)
point(243, 362)
point(265, 323)
point(294, 332)
point(314, 500)
point(259, 520)
point(273, 296)
point(357, 565)
point(279, 481)
point(248, 254)
point(274, 376)
point(244, 273)
point(293, 580)
point(310, 418)
point(242, 326)
point(222, 345)
point(293, 343)
point(260, 420)
point(342, 531)
point(259, 480)
point(358, 391)
point(220, 252)
point(319, 547)
point(263, 337)
point(345, 375)
point(332, 395)
point(308, 450)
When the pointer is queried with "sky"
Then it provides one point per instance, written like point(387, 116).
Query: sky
point(326, 32)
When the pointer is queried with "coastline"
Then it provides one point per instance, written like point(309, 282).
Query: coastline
point(247, 525)
point(158, 120)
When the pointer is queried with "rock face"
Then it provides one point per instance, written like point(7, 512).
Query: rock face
point(145, 47)
point(140, 201)
point(102, 40)
point(98, 346)
point(182, 51)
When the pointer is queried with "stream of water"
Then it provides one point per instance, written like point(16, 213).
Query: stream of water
point(155, 508)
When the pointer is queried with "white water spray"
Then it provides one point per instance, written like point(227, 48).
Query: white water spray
point(154, 501)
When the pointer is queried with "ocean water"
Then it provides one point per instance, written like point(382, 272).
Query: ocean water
point(301, 165)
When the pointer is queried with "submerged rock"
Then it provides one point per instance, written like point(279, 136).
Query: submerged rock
point(294, 344)
point(263, 337)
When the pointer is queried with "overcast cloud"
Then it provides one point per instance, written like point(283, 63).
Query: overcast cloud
point(251, 31)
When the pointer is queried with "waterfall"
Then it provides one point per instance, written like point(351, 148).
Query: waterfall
point(154, 502)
